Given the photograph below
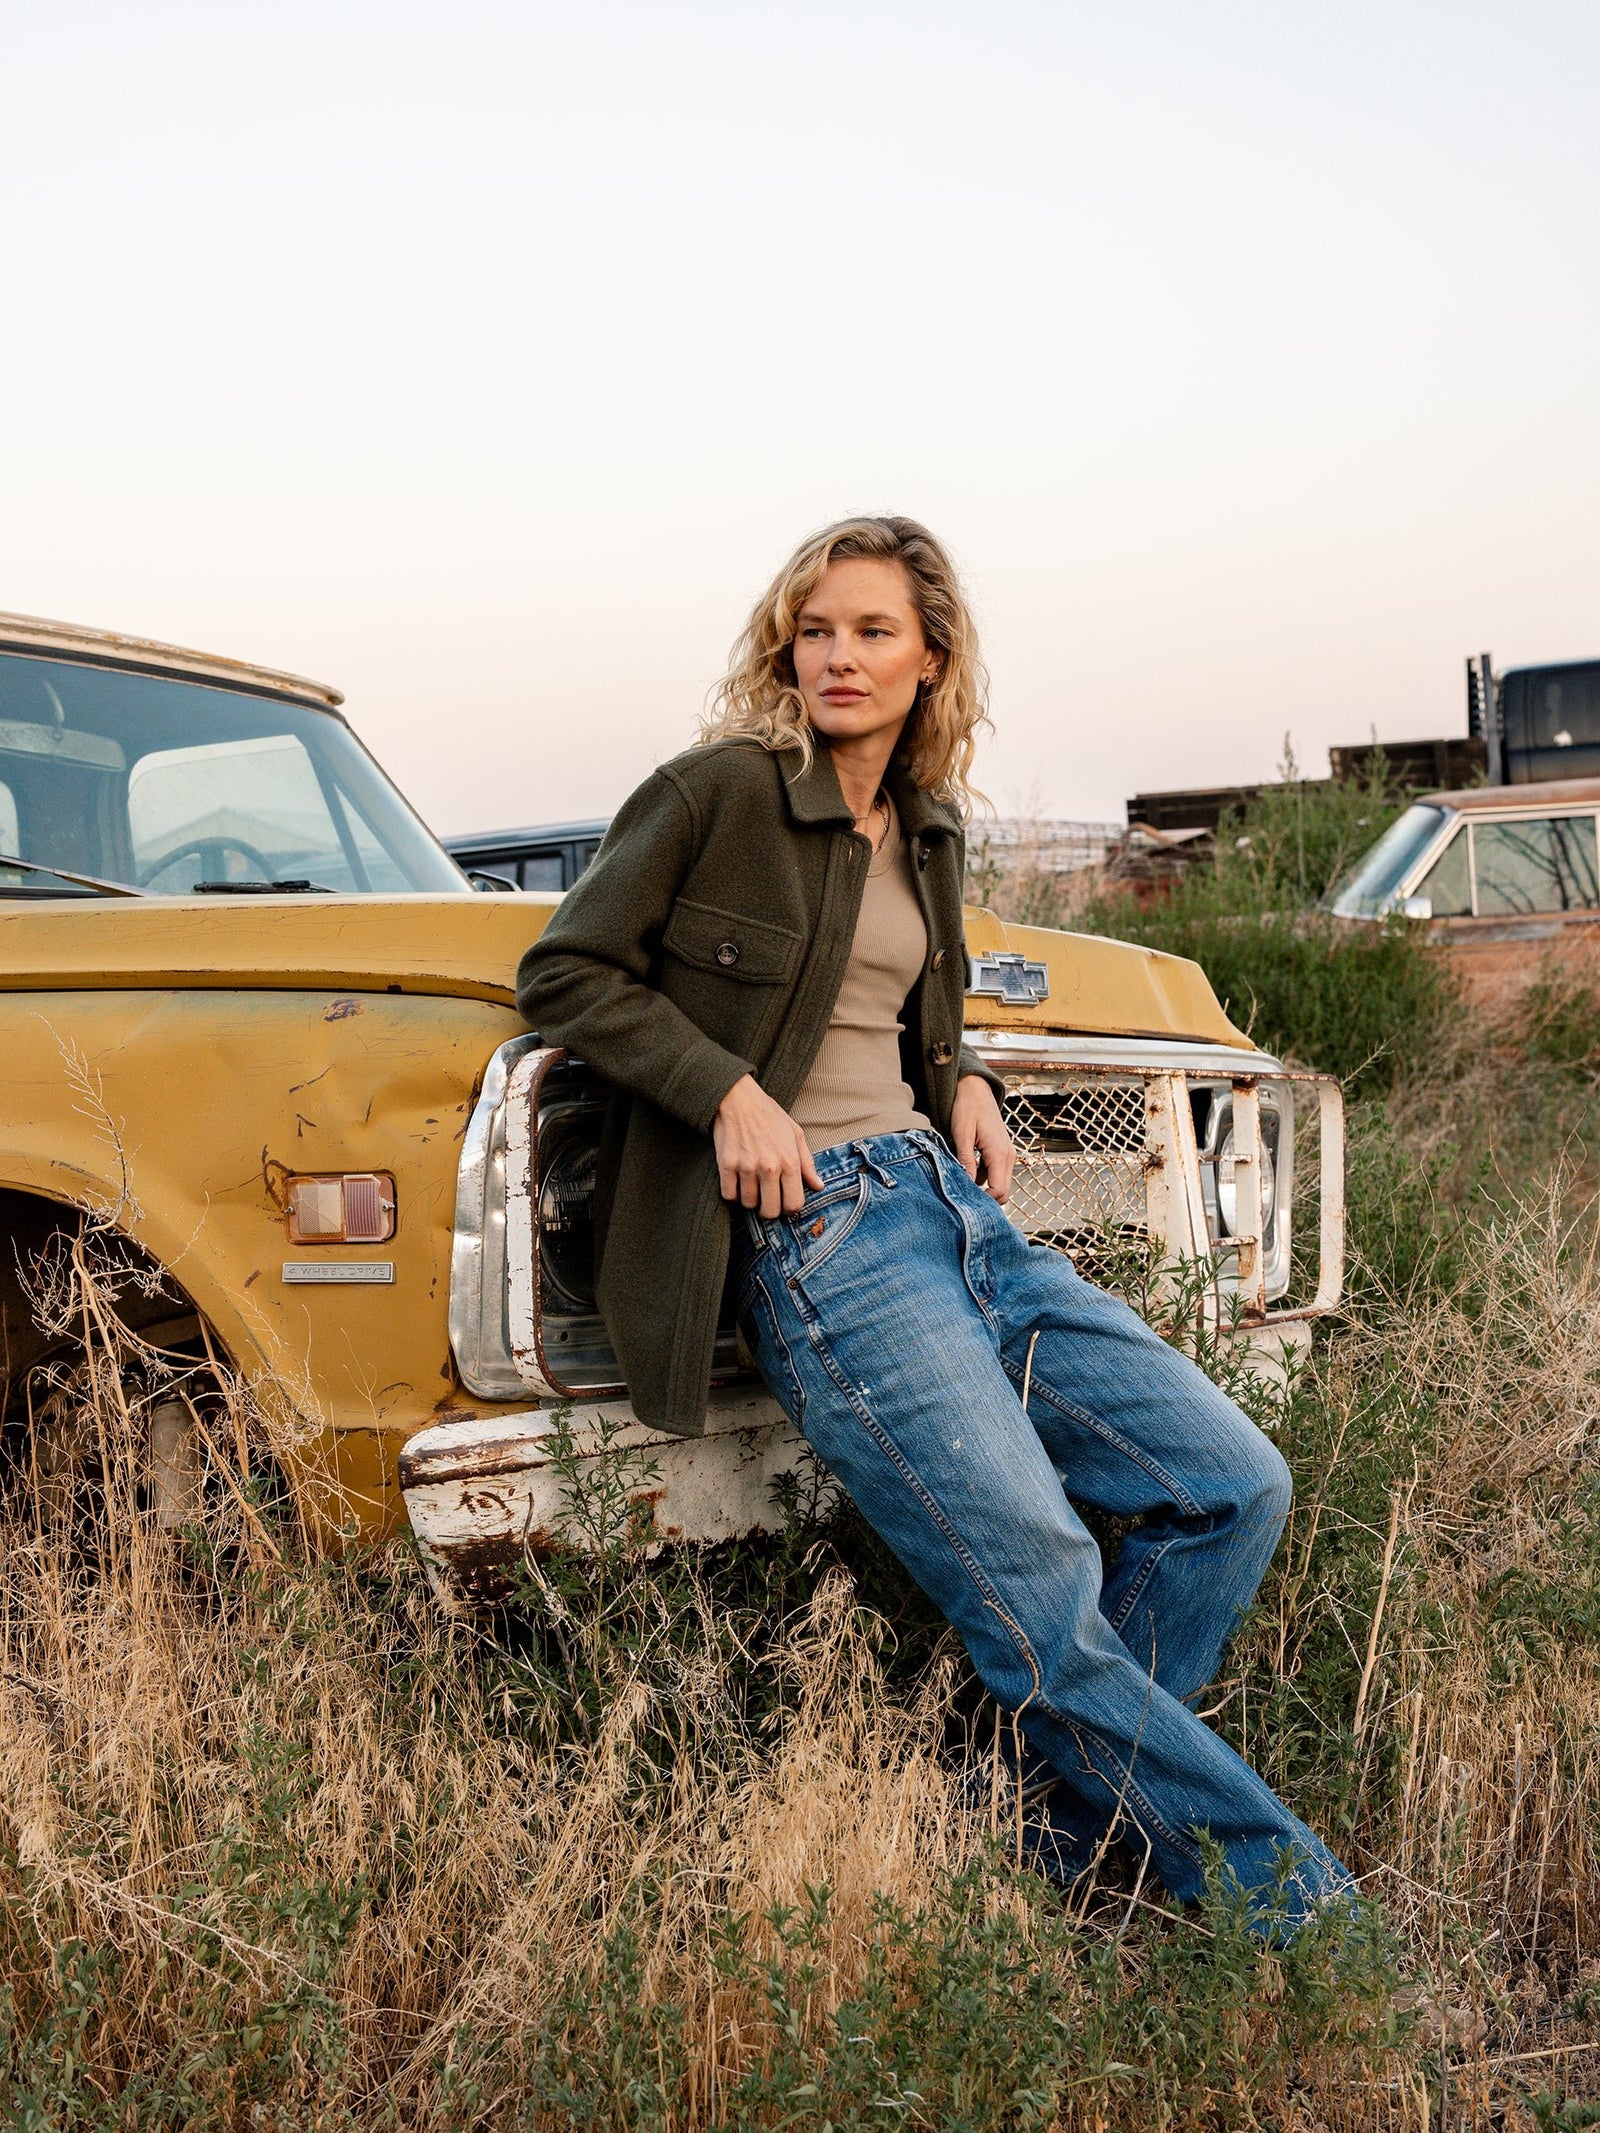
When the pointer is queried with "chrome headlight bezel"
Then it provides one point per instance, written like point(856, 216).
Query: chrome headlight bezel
point(1212, 1104)
point(479, 1318)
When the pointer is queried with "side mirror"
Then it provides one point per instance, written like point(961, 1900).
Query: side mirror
point(1416, 907)
point(489, 884)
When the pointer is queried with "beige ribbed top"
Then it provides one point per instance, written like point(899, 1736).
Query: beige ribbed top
point(855, 1087)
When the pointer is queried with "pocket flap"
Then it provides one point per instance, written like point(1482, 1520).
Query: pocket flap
point(734, 946)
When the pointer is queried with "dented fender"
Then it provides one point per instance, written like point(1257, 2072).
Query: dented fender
point(178, 1114)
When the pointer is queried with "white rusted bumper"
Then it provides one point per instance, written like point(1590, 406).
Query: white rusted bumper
point(482, 1491)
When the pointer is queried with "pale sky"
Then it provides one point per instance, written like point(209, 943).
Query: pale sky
point(486, 361)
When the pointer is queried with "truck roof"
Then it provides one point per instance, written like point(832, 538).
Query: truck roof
point(70, 640)
point(1493, 799)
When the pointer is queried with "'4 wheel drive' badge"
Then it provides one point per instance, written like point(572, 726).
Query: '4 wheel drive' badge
point(1011, 978)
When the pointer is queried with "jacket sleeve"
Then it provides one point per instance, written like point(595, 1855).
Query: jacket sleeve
point(968, 1062)
point(585, 983)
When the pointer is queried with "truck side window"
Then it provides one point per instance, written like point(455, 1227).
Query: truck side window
point(1447, 884)
point(1548, 863)
point(9, 832)
point(544, 871)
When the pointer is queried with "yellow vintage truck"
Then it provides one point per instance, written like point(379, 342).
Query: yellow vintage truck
point(258, 1030)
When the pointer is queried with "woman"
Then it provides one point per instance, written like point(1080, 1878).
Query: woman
point(766, 958)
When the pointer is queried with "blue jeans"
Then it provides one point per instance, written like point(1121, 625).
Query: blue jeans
point(893, 1318)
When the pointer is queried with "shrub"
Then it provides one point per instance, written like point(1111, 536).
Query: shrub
point(1371, 1003)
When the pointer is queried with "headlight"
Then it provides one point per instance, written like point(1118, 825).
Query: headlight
point(1227, 1193)
point(1214, 1136)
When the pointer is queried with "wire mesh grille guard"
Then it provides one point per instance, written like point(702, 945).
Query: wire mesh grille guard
point(1083, 1155)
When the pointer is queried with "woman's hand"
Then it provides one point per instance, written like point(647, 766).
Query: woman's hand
point(982, 1144)
point(762, 1157)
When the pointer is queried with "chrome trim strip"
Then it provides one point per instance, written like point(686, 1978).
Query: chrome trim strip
point(479, 1333)
point(1010, 1047)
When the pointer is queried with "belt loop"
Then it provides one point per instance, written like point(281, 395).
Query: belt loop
point(871, 1164)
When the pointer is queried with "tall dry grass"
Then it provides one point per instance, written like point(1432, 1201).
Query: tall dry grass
point(686, 1844)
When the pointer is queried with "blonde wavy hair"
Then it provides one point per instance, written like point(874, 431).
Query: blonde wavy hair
point(759, 698)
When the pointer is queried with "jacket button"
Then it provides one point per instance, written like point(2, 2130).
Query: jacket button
point(941, 1054)
point(922, 858)
point(938, 959)
point(728, 954)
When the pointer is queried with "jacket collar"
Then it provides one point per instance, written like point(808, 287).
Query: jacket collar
point(814, 796)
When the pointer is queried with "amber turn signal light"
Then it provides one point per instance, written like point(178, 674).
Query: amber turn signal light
point(355, 1208)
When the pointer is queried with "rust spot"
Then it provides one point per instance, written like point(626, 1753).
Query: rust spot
point(341, 1010)
point(253, 1275)
point(275, 1177)
point(471, 1462)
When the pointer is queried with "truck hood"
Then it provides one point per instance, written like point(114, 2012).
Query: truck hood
point(468, 947)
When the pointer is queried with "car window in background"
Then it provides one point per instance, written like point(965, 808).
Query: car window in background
point(545, 872)
point(1376, 877)
point(8, 821)
point(1448, 883)
point(1548, 863)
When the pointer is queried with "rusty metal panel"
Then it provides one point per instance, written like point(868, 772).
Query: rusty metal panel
point(482, 1491)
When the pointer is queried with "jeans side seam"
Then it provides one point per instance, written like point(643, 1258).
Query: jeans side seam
point(1122, 1781)
point(1142, 1576)
point(929, 1502)
point(1113, 1437)
point(795, 1380)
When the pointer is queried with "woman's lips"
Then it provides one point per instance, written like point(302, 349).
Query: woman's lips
point(843, 696)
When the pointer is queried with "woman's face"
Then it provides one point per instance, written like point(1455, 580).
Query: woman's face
point(859, 651)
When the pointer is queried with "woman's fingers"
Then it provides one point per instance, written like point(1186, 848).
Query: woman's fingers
point(979, 1137)
point(999, 1159)
point(762, 1158)
point(964, 1137)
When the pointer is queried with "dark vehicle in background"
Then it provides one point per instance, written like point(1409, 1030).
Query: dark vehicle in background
point(550, 855)
point(1537, 724)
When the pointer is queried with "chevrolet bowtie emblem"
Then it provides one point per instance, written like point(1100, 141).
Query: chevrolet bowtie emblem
point(1011, 978)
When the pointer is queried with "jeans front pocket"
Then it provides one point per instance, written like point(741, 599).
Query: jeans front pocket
point(811, 1237)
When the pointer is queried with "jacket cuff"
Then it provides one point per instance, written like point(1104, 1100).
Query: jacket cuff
point(698, 1083)
point(968, 1062)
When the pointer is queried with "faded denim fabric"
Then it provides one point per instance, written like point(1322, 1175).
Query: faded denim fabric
point(892, 1318)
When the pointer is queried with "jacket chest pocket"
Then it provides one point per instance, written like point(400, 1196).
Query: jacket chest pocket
point(726, 944)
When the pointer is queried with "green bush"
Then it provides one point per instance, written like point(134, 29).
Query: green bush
point(1370, 1003)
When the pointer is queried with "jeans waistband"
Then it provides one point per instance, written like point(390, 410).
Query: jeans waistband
point(879, 1151)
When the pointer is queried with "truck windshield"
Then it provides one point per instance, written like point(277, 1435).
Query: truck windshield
point(1368, 891)
point(176, 786)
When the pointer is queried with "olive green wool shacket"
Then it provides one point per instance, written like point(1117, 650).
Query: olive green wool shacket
point(708, 940)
